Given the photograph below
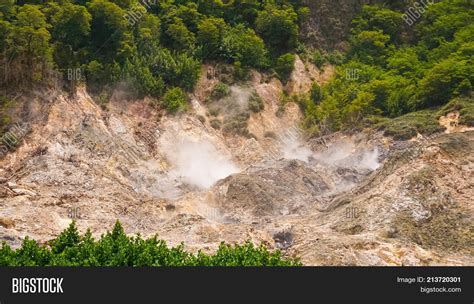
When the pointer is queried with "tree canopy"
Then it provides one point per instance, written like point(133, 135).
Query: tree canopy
point(151, 45)
point(392, 69)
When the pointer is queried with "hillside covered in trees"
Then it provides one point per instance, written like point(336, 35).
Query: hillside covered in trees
point(157, 47)
point(393, 67)
point(153, 45)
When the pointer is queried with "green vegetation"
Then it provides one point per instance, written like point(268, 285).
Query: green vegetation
point(220, 91)
point(392, 69)
point(237, 124)
point(4, 118)
point(319, 58)
point(278, 26)
point(255, 103)
point(175, 100)
point(407, 126)
point(424, 121)
point(115, 248)
point(149, 45)
point(465, 106)
point(284, 66)
point(316, 93)
point(153, 47)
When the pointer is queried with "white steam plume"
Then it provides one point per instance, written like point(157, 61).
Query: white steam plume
point(293, 148)
point(345, 153)
point(198, 163)
point(292, 145)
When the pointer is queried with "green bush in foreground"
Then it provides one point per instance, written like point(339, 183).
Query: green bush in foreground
point(117, 249)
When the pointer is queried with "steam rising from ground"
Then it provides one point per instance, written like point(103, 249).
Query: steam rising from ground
point(234, 104)
point(293, 148)
point(198, 163)
point(341, 153)
point(240, 95)
point(346, 153)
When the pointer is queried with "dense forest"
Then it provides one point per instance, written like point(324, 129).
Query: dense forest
point(153, 45)
point(394, 67)
point(156, 47)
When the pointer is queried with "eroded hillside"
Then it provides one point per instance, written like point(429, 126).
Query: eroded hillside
point(227, 173)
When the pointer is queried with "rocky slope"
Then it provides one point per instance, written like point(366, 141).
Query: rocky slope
point(339, 200)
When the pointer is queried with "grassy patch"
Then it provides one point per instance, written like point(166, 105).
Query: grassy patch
point(407, 126)
point(465, 106)
point(425, 122)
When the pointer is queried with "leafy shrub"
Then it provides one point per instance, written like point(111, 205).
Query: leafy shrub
point(278, 27)
point(210, 34)
point(255, 103)
point(443, 80)
point(241, 73)
point(237, 124)
point(103, 99)
point(335, 57)
point(176, 69)
point(115, 248)
point(318, 59)
point(175, 100)
point(141, 79)
point(284, 66)
point(243, 45)
point(220, 91)
point(316, 93)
